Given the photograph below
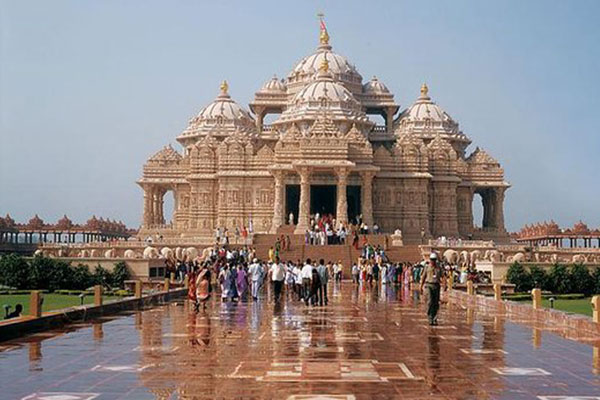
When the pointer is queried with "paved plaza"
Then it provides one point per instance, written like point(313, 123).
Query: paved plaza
point(365, 344)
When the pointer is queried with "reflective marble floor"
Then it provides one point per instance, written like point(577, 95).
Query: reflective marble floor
point(365, 344)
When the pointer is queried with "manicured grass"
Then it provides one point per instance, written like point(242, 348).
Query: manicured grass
point(578, 306)
point(51, 301)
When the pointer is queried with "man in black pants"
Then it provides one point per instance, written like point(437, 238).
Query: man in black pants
point(431, 279)
point(277, 277)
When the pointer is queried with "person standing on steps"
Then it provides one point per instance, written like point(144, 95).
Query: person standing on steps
point(431, 279)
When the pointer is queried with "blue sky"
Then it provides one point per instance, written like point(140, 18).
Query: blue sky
point(89, 90)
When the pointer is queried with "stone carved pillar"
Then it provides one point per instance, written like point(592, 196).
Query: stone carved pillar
point(389, 120)
point(147, 214)
point(499, 209)
point(154, 206)
point(304, 207)
point(278, 202)
point(342, 201)
point(161, 206)
point(367, 197)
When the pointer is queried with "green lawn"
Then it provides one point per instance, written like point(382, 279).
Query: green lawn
point(51, 301)
point(578, 306)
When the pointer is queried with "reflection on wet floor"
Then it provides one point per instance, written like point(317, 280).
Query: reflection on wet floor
point(365, 344)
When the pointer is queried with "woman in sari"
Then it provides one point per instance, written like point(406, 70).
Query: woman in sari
point(192, 288)
point(241, 282)
point(224, 282)
point(232, 283)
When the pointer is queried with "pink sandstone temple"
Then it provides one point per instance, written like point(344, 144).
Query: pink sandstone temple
point(324, 154)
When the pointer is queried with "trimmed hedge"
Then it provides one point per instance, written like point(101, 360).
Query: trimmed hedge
point(49, 274)
point(560, 280)
point(527, 296)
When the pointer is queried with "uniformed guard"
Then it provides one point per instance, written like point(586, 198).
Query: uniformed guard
point(431, 279)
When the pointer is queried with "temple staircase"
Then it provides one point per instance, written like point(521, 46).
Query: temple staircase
point(347, 254)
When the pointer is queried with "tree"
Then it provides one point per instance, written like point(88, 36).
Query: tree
point(596, 280)
point(14, 271)
point(559, 279)
point(519, 276)
point(120, 274)
point(581, 280)
point(82, 277)
point(102, 276)
point(539, 277)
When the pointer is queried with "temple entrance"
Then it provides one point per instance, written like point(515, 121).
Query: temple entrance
point(292, 202)
point(354, 206)
point(323, 199)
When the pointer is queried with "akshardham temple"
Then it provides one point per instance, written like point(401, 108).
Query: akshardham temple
point(323, 153)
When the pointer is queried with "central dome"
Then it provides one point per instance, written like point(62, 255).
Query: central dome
point(341, 70)
point(324, 94)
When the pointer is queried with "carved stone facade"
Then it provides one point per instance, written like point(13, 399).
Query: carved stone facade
point(410, 173)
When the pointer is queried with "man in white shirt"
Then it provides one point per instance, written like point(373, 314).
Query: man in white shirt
point(277, 272)
point(298, 280)
point(306, 279)
point(256, 274)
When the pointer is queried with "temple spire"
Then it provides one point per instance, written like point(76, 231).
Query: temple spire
point(224, 87)
point(323, 35)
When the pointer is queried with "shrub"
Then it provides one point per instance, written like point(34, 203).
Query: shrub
point(559, 279)
point(519, 276)
point(539, 277)
point(580, 280)
point(596, 280)
point(102, 276)
point(120, 274)
point(82, 277)
point(14, 271)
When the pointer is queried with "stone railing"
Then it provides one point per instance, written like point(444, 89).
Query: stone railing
point(459, 243)
point(571, 326)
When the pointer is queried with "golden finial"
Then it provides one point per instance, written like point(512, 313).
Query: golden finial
point(324, 67)
point(224, 87)
point(424, 89)
point(324, 35)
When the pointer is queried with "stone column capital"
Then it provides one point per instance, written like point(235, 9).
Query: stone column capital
point(342, 173)
point(304, 172)
point(278, 174)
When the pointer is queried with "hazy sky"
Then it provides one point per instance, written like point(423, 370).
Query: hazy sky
point(90, 89)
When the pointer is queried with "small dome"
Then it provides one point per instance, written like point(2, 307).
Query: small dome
point(375, 86)
point(274, 85)
point(222, 107)
point(221, 117)
point(426, 117)
point(425, 109)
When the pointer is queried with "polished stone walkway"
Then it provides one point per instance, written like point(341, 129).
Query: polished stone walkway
point(365, 344)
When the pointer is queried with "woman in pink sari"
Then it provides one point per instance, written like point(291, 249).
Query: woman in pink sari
point(241, 282)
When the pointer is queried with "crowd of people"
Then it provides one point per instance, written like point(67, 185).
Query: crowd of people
point(325, 230)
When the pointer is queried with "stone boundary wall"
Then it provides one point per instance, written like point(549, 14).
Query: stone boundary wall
point(11, 329)
point(520, 311)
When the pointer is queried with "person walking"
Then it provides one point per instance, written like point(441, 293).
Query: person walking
point(277, 272)
point(431, 279)
point(241, 282)
point(256, 274)
point(306, 278)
